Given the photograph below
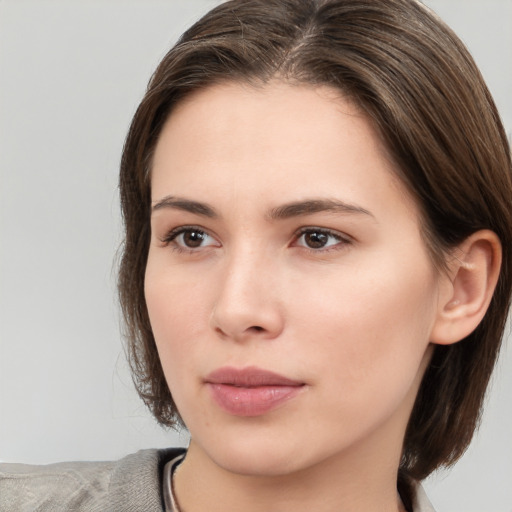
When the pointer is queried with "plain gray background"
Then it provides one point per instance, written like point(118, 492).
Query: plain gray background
point(71, 75)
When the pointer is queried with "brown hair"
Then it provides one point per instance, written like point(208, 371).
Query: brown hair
point(418, 84)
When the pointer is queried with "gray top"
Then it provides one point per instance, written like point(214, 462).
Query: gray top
point(131, 484)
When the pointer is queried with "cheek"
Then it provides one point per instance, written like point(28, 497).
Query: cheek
point(175, 307)
point(177, 333)
point(369, 328)
point(366, 352)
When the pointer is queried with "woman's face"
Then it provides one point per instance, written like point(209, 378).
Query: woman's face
point(288, 286)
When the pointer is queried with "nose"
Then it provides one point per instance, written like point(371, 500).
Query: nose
point(249, 303)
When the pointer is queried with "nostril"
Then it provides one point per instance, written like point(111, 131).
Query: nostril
point(218, 330)
point(256, 328)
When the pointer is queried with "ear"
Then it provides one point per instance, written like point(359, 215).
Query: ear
point(466, 290)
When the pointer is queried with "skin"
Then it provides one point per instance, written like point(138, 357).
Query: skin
point(352, 319)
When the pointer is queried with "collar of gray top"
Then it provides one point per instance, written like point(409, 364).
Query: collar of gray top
point(170, 501)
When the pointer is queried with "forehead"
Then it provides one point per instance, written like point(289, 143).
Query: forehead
point(273, 139)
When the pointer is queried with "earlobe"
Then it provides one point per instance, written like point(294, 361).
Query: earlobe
point(467, 288)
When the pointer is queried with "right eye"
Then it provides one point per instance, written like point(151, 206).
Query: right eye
point(190, 238)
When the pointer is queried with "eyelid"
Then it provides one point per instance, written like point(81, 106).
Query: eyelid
point(343, 238)
point(174, 233)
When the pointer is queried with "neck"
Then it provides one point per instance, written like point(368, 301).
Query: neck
point(350, 482)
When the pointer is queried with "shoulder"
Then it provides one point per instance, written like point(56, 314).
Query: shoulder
point(129, 484)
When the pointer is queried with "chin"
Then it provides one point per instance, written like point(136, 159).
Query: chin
point(264, 455)
point(262, 465)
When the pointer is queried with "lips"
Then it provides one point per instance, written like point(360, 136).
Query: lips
point(250, 391)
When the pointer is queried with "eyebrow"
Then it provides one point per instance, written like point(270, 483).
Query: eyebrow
point(286, 211)
point(186, 205)
point(299, 208)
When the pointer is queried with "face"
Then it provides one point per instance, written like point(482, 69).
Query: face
point(288, 286)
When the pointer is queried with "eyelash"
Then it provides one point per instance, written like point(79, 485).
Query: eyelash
point(342, 241)
point(170, 238)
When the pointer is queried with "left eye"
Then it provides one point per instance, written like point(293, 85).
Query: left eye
point(191, 238)
point(318, 239)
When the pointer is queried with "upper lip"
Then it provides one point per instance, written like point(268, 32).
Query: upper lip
point(249, 377)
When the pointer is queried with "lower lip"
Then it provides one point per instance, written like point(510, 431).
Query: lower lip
point(252, 401)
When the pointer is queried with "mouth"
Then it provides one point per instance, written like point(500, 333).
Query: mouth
point(251, 391)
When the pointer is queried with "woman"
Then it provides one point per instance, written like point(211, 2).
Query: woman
point(315, 276)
